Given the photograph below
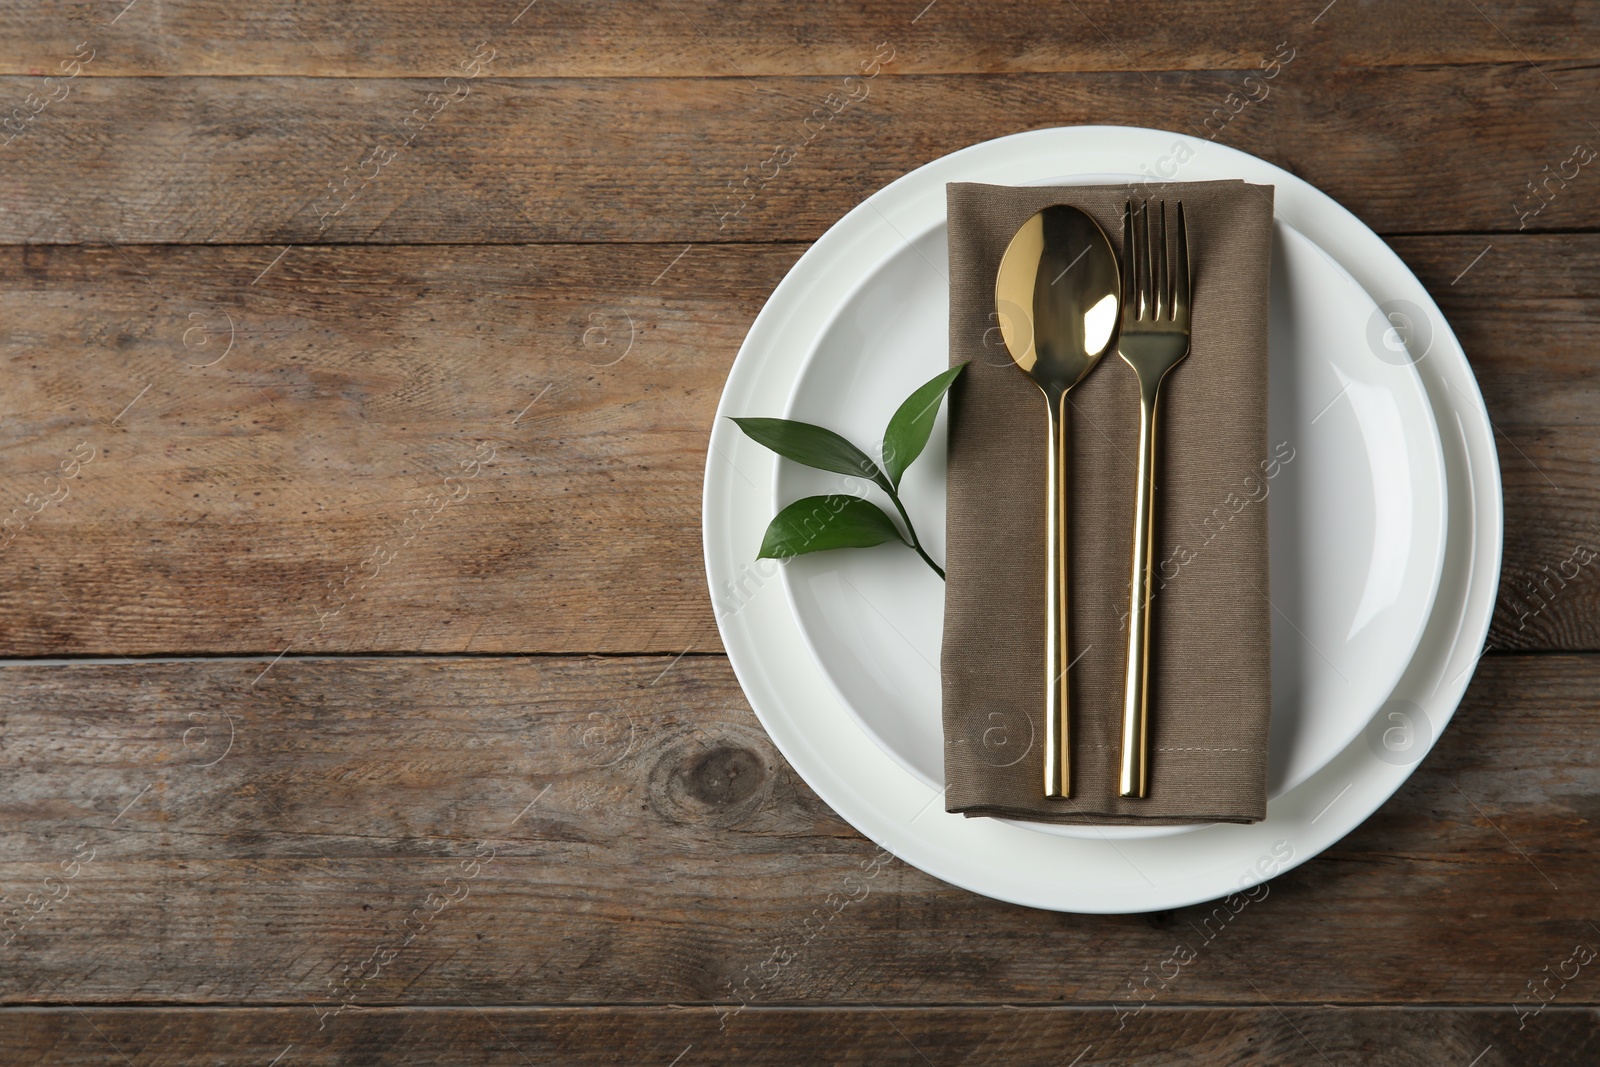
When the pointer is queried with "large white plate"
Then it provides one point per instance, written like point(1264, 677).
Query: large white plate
point(1357, 513)
point(810, 723)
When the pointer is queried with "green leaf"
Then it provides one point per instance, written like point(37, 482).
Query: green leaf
point(813, 446)
point(908, 431)
point(818, 523)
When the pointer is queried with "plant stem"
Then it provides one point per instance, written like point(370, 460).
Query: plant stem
point(912, 530)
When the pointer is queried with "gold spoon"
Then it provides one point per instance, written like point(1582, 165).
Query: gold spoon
point(1058, 295)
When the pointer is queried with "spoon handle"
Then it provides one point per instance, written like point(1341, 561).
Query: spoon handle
point(1136, 694)
point(1057, 736)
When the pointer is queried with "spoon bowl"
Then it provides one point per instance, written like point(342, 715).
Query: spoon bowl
point(1058, 297)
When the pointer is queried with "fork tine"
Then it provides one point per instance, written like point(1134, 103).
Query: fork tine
point(1138, 264)
point(1130, 285)
point(1160, 274)
point(1181, 271)
point(1141, 253)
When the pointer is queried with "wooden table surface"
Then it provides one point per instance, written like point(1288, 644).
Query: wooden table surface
point(362, 699)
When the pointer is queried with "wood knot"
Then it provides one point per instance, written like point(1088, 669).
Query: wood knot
point(722, 779)
point(725, 776)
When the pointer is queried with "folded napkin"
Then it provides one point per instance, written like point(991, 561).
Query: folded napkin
point(1211, 678)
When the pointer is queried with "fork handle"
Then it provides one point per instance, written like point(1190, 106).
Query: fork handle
point(1136, 693)
point(1057, 721)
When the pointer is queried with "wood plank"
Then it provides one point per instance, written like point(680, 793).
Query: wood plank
point(286, 160)
point(271, 499)
point(616, 830)
point(1549, 592)
point(1047, 1037)
point(703, 38)
point(227, 504)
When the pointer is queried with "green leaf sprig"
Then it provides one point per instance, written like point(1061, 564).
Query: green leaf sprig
point(820, 523)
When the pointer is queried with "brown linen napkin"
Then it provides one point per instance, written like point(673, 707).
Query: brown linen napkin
point(1211, 690)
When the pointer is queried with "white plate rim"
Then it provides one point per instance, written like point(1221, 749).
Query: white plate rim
point(885, 802)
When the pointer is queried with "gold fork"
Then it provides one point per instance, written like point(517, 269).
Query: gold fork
point(1154, 338)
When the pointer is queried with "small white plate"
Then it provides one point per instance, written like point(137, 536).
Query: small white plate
point(824, 741)
point(1356, 513)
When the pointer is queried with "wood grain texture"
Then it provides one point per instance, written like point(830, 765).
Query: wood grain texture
point(286, 476)
point(261, 497)
point(703, 38)
point(471, 418)
point(293, 160)
point(1016, 1037)
point(621, 831)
